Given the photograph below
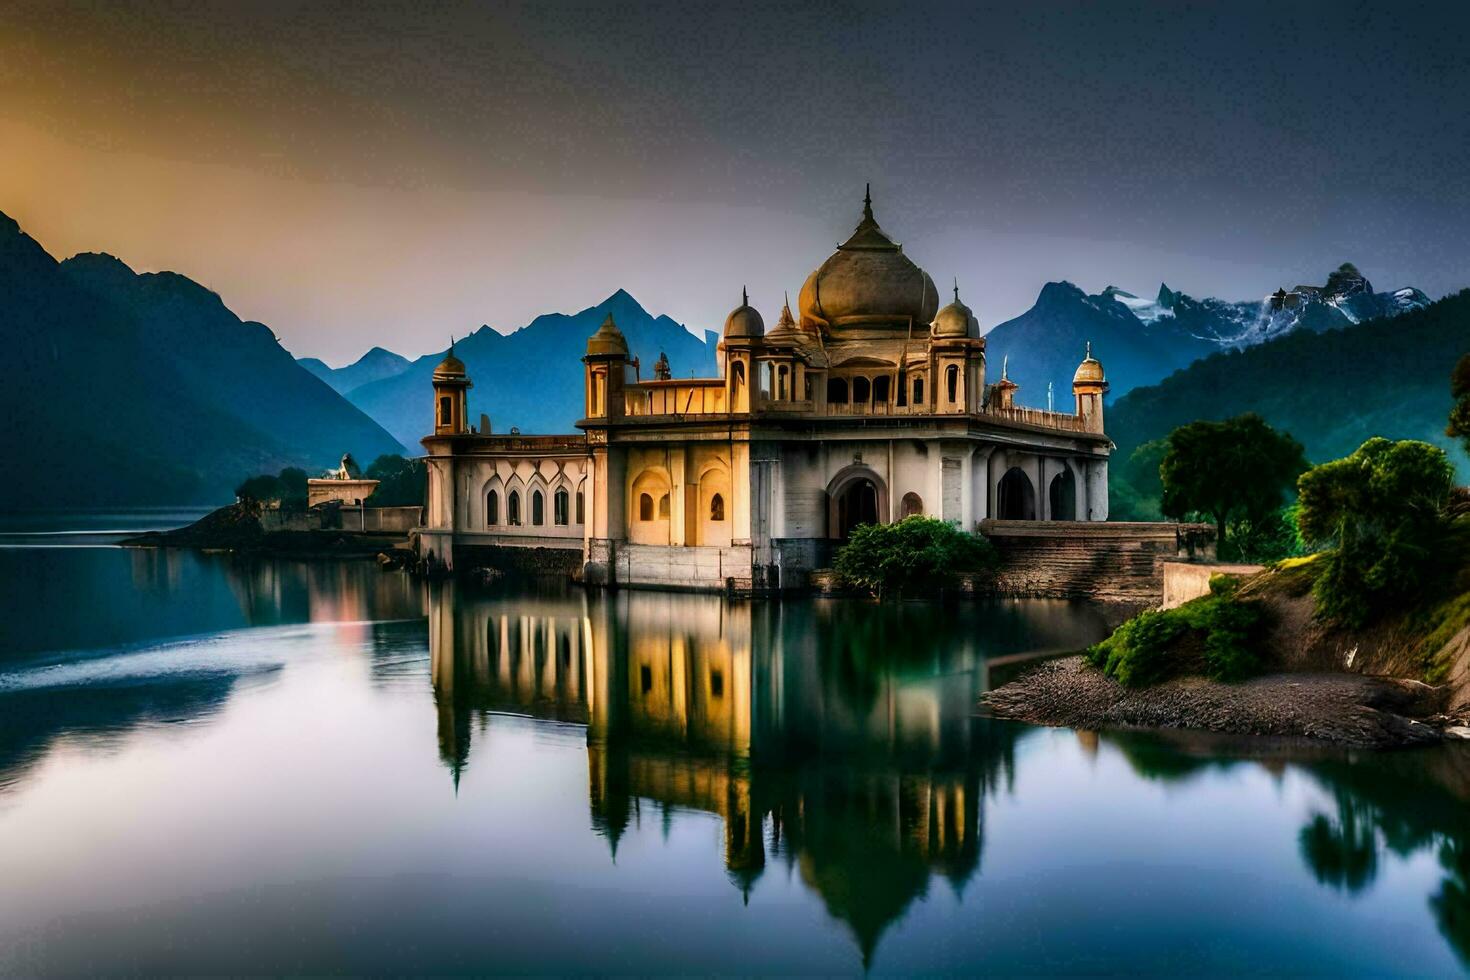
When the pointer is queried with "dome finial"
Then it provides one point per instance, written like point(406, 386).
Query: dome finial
point(744, 297)
point(868, 201)
point(1089, 350)
point(1005, 367)
point(956, 289)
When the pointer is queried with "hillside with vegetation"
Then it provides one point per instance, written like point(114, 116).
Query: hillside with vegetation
point(1331, 391)
point(126, 389)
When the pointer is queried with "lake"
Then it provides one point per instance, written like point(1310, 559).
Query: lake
point(210, 765)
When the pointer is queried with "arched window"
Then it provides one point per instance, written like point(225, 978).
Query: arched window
point(492, 509)
point(880, 390)
point(581, 509)
point(952, 382)
point(918, 392)
point(737, 371)
point(836, 391)
point(446, 410)
point(538, 508)
point(767, 375)
point(717, 508)
point(663, 507)
point(913, 505)
point(559, 508)
point(645, 507)
point(513, 509)
point(860, 391)
point(781, 383)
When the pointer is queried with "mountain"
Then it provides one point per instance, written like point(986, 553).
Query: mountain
point(127, 389)
point(375, 365)
point(532, 378)
point(1388, 376)
point(1142, 341)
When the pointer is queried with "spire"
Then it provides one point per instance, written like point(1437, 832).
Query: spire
point(744, 297)
point(956, 289)
point(1089, 351)
point(451, 345)
point(868, 202)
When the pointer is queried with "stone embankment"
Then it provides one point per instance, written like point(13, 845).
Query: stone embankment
point(1343, 709)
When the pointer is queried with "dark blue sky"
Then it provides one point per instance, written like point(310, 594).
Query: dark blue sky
point(388, 174)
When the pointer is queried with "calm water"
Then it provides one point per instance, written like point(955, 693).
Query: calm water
point(208, 766)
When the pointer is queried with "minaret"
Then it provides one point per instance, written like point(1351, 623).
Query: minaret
point(450, 385)
point(1089, 385)
point(606, 371)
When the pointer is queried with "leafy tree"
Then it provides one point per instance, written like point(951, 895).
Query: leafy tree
point(1381, 511)
point(1460, 415)
point(915, 554)
point(401, 482)
point(259, 489)
point(292, 482)
point(1238, 469)
point(1135, 488)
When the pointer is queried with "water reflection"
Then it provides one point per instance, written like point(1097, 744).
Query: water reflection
point(834, 738)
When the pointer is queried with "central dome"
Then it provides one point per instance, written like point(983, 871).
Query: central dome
point(868, 281)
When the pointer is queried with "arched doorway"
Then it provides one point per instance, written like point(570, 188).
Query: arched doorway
point(1015, 498)
point(855, 496)
point(1062, 496)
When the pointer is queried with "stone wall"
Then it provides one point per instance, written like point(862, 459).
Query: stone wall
point(561, 563)
point(1185, 580)
point(695, 568)
point(1104, 562)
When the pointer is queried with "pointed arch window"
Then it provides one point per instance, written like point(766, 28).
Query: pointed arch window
point(717, 508)
point(513, 509)
point(559, 508)
point(492, 509)
point(952, 382)
point(538, 508)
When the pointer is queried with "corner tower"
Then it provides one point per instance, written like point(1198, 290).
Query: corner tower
point(1089, 385)
point(450, 401)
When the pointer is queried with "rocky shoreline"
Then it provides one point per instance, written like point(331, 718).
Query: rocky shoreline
point(1344, 709)
point(236, 530)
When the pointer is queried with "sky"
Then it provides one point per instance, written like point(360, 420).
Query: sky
point(394, 173)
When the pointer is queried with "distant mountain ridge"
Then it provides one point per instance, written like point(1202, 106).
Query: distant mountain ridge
point(375, 365)
point(127, 389)
point(1142, 341)
point(532, 378)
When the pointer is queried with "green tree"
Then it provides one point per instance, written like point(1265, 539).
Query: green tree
point(1238, 469)
point(1135, 487)
point(401, 482)
point(1381, 512)
point(916, 554)
point(1460, 389)
point(259, 489)
point(292, 482)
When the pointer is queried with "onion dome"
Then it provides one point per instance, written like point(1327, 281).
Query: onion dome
point(744, 322)
point(608, 340)
point(868, 281)
point(956, 319)
point(451, 367)
point(1090, 371)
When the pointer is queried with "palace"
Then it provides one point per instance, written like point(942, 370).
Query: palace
point(868, 403)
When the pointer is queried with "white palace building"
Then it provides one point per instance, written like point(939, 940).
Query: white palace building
point(868, 403)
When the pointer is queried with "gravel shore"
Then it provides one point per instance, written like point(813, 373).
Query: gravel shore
point(1342, 709)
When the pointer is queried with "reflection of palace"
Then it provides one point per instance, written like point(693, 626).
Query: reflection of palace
point(801, 726)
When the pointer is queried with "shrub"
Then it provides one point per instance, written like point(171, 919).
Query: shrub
point(1381, 513)
point(913, 555)
point(401, 482)
point(1217, 634)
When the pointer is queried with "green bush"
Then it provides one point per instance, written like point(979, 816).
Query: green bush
point(914, 555)
point(1381, 513)
point(401, 482)
point(1217, 634)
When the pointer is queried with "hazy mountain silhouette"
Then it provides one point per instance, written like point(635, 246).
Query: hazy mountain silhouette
point(532, 378)
point(1385, 377)
point(121, 388)
point(1141, 341)
point(375, 365)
